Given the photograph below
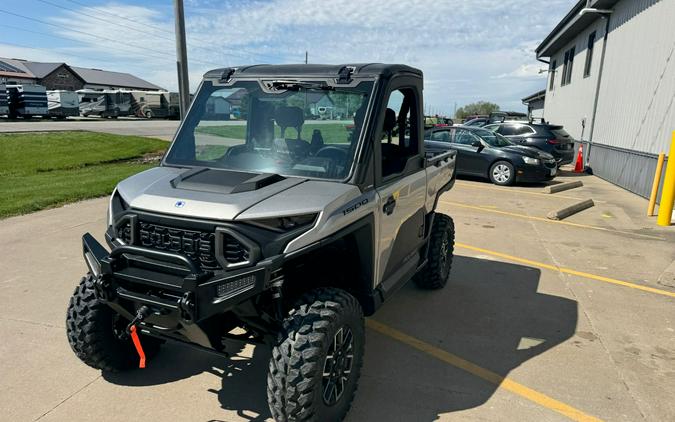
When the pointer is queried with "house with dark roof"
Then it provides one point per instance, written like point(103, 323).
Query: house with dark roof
point(63, 76)
point(14, 71)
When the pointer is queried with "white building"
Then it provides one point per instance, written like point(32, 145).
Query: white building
point(611, 84)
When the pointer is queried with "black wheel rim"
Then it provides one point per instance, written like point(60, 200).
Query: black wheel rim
point(338, 365)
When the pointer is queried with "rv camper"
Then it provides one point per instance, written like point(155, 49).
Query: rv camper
point(27, 100)
point(217, 108)
point(4, 109)
point(173, 99)
point(62, 104)
point(149, 104)
point(108, 103)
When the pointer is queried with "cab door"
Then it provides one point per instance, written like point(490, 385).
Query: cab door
point(400, 186)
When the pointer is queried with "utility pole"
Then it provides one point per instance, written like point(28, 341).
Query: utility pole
point(306, 56)
point(181, 58)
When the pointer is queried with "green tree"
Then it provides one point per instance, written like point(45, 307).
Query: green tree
point(480, 107)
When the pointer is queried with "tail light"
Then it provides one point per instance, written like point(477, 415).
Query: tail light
point(553, 142)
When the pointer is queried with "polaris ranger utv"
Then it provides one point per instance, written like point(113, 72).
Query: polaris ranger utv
point(274, 231)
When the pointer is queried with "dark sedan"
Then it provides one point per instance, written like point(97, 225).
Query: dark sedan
point(483, 153)
point(549, 138)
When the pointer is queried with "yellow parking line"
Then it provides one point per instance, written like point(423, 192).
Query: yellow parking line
point(546, 220)
point(567, 270)
point(489, 376)
point(507, 190)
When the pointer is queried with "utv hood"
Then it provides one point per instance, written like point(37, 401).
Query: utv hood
point(201, 193)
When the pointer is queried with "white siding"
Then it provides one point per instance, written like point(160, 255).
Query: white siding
point(568, 105)
point(635, 106)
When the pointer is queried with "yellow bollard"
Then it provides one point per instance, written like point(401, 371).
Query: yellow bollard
point(655, 184)
point(668, 193)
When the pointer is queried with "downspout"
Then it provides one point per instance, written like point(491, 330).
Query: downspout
point(597, 88)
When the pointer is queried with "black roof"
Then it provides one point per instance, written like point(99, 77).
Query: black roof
point(314, 70)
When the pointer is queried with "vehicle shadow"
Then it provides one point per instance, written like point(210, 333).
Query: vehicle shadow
point(490, 314)
point(244, 376)
point(519, 184)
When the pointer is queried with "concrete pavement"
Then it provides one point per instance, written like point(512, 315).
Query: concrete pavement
point(602, 349)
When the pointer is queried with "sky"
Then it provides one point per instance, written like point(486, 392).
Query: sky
point(468, 50)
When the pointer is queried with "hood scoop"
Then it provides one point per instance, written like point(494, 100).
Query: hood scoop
point(223, 181)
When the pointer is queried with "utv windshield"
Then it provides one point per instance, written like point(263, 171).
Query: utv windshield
point(305, 129)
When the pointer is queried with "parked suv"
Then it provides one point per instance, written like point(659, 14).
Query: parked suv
point(550, 138)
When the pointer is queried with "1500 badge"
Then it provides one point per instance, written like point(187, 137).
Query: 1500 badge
point(354, 206)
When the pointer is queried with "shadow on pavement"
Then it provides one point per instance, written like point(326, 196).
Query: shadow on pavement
point(519, 184)
point(490, 313)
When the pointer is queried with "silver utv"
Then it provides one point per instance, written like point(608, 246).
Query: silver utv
point(268, 220)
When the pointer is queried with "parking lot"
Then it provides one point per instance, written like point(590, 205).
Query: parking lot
point(542, 320)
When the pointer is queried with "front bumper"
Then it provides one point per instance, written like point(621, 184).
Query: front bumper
point(177, 292)
point(538, 173)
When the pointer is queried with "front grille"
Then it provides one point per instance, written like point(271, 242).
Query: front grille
point(198, 245)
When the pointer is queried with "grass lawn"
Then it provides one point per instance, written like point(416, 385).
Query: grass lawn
point(41, 170)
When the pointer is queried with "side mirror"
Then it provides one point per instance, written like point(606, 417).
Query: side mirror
point(478, 145)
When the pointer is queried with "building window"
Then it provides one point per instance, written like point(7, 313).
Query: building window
point(589, 55)
point(567, 67)
point(552, 71)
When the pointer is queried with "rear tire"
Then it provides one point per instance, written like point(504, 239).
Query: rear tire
point(93, 331)
point(441, 247)
point(502, 173)
point(315, 365)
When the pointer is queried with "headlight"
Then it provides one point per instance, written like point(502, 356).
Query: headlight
point(531, 161)
point(284, 224)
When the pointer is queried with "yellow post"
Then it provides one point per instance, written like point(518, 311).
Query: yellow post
point(655, 185)
point(668, 193)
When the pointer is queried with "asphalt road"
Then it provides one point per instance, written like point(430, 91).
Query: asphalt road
point(541, 321)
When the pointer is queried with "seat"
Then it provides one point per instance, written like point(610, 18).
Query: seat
point(289, 117)
point(317, 142)
point(389, 123)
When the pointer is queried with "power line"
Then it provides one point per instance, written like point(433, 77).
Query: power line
point(122, 17)
point(49, 50)
point(101, 19)
point(68, 39)
point(99, 37)
point(157, 28)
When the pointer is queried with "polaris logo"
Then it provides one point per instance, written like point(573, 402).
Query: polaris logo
point(355, 206)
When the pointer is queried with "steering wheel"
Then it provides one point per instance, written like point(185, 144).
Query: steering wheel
point(332, 152)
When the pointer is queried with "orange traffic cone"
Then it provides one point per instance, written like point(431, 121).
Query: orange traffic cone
point(579, 165)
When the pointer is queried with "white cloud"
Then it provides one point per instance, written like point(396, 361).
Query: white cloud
point(468, 50)
point(526, 71)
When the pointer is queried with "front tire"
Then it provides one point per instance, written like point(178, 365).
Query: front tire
point(435, 274)
point(94, 332)
point(502, 173)
point(315, 365)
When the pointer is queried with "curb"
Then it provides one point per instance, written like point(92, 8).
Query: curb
point(564, 186)
point(570, 210)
